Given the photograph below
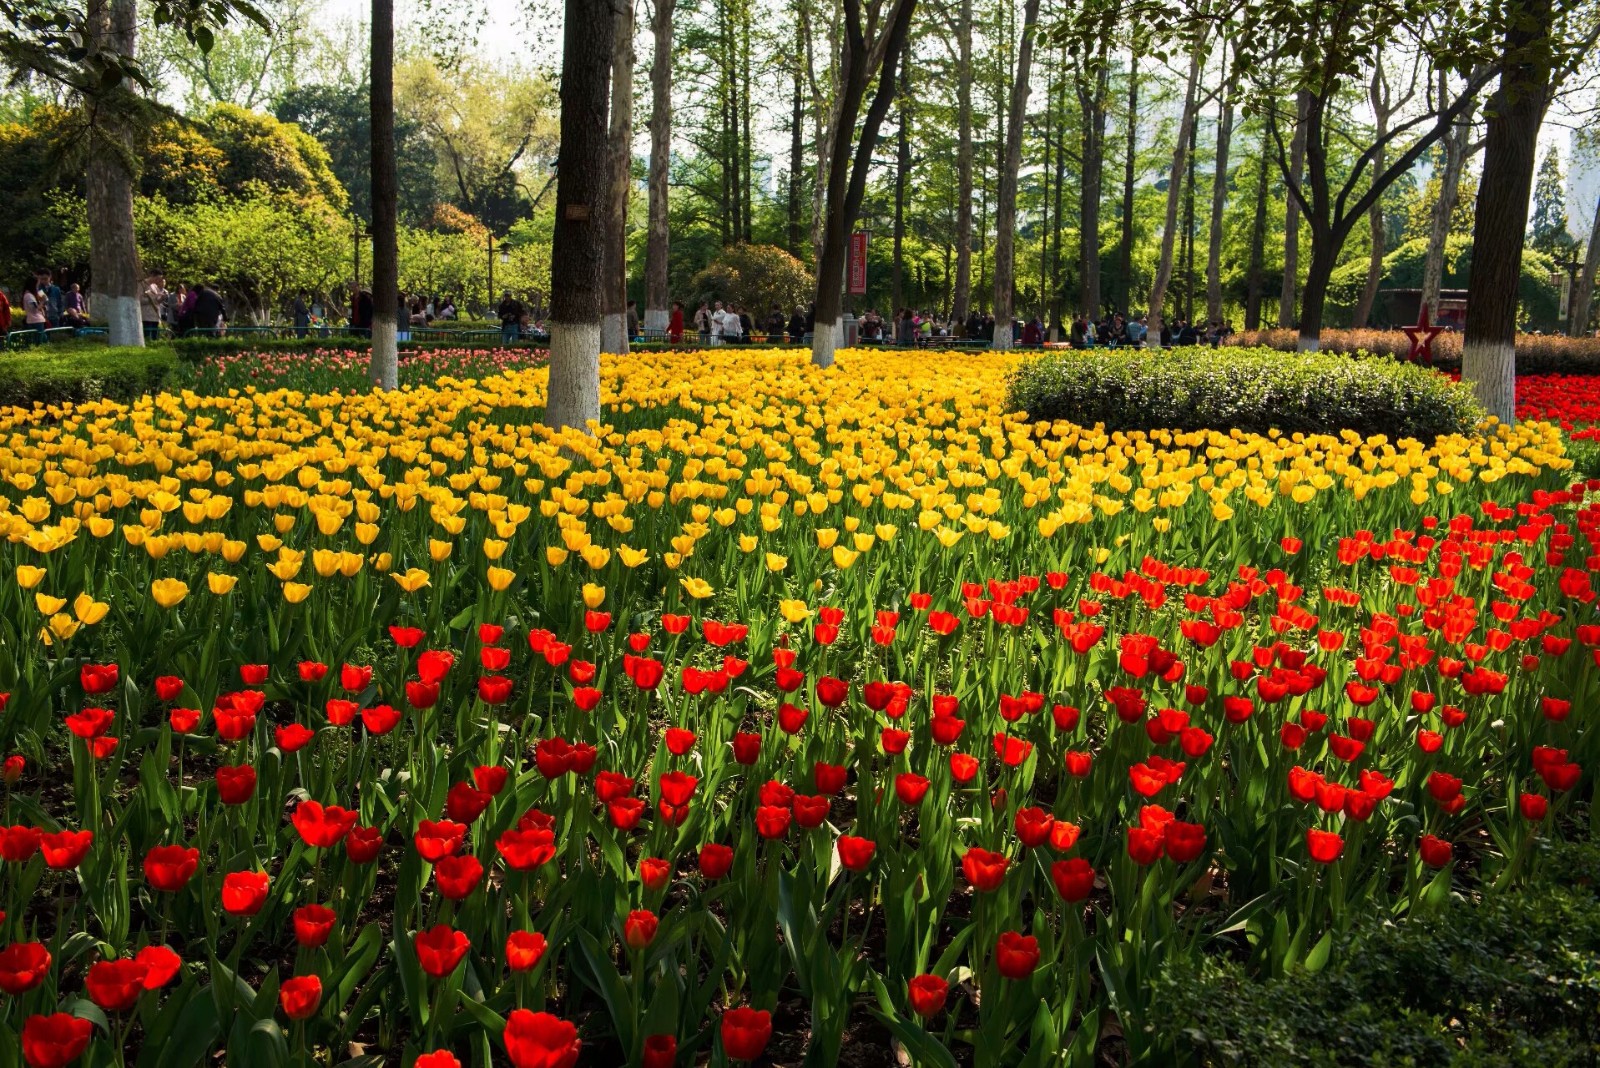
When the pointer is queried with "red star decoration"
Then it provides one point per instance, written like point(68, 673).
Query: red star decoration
point(1422, 336)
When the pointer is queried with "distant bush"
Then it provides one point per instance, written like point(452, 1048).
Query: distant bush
point(1254, 390)
point(1536, 353)
point(49, 375)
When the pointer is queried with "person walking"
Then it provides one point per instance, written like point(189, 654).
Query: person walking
point(151, 300)
point(300, 313)
point(210, 314)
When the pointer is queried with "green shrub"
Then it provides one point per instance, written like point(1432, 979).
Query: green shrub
point(1253, 390)
point(49, 375)
point(1536, 353)
point(1511, 981)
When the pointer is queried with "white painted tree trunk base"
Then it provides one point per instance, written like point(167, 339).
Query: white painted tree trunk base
point(123, 325)
point(656, 320)
point(1491, 368)
point(385, 365)
point(1002, 337)
point(614, 332)
point(573, 398)
point(1308, 344)
point(824, 343)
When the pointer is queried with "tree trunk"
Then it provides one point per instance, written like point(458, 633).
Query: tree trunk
point(113, 253)
point(1092, 87)
point(1258, 239)
point(1169, 229)
point(1455, 150)
point(1380, 99)
point(847, 172)
point(614, 265)
point(1291, 214)
point(1006, 209)
point(658, 240)
point(1513, 116)
point(1125, 247)
point(902, 173)
point(1219, 203)
point(577, 250)
point(963, 294)
point(385, 367)
point(1583, 296)
point(797, 229)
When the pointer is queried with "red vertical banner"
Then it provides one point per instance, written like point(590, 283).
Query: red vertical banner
point(858, 262)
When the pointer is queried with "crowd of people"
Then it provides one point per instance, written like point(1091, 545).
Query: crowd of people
point(44, 305)
point(182, 309)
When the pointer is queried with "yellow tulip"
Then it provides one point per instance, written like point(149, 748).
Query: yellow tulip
point(1221, 512)
point(47, 604)
point(168, 592)
point(555, 555)
point(843, 558)
point(748, 543)
point(697, 588)
point(795, 611)
point(593, 596)
point(776, 562)
point(826, 536)
point(493, 548)
point(500, 578)
point(295, 592)
point(631, 558)
point(220, 584)
point(412, 579)
point(29, 576)
point(63, 625)
point(438, 550)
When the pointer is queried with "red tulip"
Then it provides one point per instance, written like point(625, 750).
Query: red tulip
point(65, 849)
point(464, 803)
point(437, 839)
point(927, 994)
point(236, 785)
point(524, 950)
point(184, 720)
point(1533, 806)
point(160, 966)
point(23, 966)
point(19, 843)
point(322, 827)
point(97, 678)
point(654, 873)
point(715, 860)
point(1184, 841)
point(910, 788)
point(115, 985)
point(458, 876)
point(639, 929)
point(363, 844)
point(55, 1041)
point(168, 688)
point(406, 637)
point(293, 737)
point(440, 949)
point(244, 892)
point(660, 1051)
point(540, 1040)
point(1074, 878)
point(313, 924)
point(300, 996)
point(1324, 846)
point(169, 868)
point(1016, 955)
point(1435, 852)
point(984, 870)
point(354, 678)
point(772, 821)
point(525, 850)
point(441, 1058)
point(491, 779)
point(380, 719)
point(745, 1033)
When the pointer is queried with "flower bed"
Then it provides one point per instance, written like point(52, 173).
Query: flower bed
point(798, 712)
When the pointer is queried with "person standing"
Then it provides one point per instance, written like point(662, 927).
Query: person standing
point(33, 309)
point(633, 320)
point(53, 297)
point(210, 314)
point(509, 311)
point(300, 311)
point(5, 314)
point(797, 326)
point(675, 323)
point(702, 323)
point(151, 300)
point(75, 310)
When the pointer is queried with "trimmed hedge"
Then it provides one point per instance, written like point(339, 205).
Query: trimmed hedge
point(1253, 390)
point(48, 375)
point(1537, 354)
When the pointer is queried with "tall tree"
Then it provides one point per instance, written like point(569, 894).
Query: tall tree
point(1006, 204)
point(1583, 295)
point(863, 59)
point(658, 238)
point(578, 249)
point(1547, 229)
point(385, 366)
point(614, 280)
point(1180, 165)
point(902, 175)
point(1382, 98)
point(962, 299)
point(1219, 198)
point(1455, 149)
point(1255, 281)
point(1092, 80)
point(1291, 215)
point(1129, 172)
point(113, 256)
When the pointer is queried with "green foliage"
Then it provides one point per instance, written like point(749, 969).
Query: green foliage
point(278, 155)
point(1547, 228)
point(51, 374)
point(1511, 981)
point(1253, 390)
point(756, 277)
